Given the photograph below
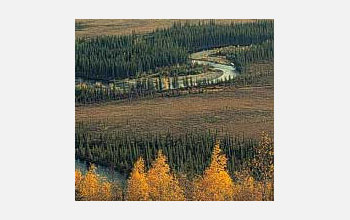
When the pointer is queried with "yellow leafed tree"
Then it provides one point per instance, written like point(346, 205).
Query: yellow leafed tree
point(216, 184)
point(163, 186)
point(91, 187)
point(78, 178)
point(137, 183)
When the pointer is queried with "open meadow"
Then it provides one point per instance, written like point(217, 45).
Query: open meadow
point(247, 111)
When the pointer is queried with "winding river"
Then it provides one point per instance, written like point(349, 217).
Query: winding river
point(228, 71)
point(220, 73)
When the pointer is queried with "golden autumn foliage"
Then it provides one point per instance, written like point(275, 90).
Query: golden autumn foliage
point(162, 184)
point(78, 178)
point(159, 184)
point(254, 182)
point(91, 187)
point(137, 183)
point(216, 184)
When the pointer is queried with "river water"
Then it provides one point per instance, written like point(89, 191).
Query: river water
point(228, 71)
point(224, 72)
point(111, 175)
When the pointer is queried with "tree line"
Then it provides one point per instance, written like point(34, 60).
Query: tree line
point(161, 183)
point(243, 56)
point(119, 57)
point(187, 153)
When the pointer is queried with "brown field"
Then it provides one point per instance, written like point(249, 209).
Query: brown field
point(96, 27)
point(246, 110)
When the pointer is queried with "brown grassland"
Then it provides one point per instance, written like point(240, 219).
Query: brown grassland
point(96, 27)
point(245, 110)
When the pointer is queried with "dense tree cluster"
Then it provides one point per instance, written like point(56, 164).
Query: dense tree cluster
point(242, 56)
point(188, 153)
point(118, 57)
point(210, 35)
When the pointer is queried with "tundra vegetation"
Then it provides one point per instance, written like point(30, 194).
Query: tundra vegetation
point(145, 108)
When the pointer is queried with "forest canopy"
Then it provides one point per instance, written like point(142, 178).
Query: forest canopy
point(120, 57)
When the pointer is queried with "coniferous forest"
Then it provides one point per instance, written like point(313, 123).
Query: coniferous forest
point(183, 112)
point(188, 153)
point(137, 54)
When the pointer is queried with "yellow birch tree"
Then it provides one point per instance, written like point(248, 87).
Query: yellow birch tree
point(137, 183)
point(216, 184)
point(163, 186)
point(91, 187)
